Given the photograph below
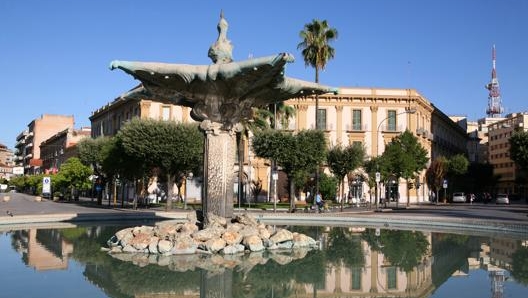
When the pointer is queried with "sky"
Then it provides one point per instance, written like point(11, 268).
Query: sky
point(55, 54)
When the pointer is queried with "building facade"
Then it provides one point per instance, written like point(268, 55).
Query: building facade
point(504, 169)
point(107, 120)
point(6, 162)
point(61, 146)
point(370, 116)
point(373, 117)
point(27, 153)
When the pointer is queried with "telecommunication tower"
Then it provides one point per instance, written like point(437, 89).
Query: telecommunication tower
point(495, 108)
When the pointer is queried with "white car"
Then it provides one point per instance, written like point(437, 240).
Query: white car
point(502, 198)
point(459, 197)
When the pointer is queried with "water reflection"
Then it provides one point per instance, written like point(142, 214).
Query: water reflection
point(351, 262)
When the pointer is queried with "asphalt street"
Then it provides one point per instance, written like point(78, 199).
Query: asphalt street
point(19, 208)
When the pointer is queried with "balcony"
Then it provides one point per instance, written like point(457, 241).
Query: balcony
point(357, 128)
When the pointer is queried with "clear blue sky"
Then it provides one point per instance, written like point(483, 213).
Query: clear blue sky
point(55, 54)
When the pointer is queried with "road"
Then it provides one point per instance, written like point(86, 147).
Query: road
point(24, 209)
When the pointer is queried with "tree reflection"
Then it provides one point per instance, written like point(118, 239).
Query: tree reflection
point(350, 263)
point(404, 249)
point(345, 247)
point(520, 265)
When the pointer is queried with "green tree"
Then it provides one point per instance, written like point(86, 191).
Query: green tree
point(519, 154)
point(371, 167)
point(175, 148)
point(404, 249)
point(297, 154)
point(405, 157)
point(520, 265)
point(343, 160)
point(316, 50)
point(73, 175)
point(328, 187)
point(93, 152)
point(457, 167)
point(519, 148)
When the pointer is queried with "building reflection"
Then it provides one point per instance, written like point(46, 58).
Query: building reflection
point(43, 249)
point(351, 262)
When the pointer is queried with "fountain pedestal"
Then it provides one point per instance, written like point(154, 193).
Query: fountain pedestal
point(219, 161)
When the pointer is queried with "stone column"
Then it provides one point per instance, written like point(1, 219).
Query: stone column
point(219, 161)
point(374, 136)
point(339, 123)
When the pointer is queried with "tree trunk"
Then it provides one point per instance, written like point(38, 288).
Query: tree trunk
point(292, 193)
point(170, 183)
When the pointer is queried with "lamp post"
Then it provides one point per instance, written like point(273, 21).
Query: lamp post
point(406, 111)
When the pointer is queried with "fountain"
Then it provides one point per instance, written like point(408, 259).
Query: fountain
point(221, 95)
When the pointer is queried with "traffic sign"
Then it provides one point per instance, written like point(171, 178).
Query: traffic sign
point(46, 185)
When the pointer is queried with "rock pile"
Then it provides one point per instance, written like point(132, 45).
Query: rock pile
point(242, 234)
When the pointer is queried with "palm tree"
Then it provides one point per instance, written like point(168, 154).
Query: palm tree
point(316, 50)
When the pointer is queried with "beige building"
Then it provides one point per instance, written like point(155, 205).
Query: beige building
point(27, 152)
point(61, 146)
point(373, 116)
point(6, 162)
point(107, 120)
point(504, 168)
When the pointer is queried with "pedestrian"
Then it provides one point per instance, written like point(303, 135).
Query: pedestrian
point(319, 201)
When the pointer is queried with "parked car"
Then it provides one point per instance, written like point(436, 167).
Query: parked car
point(502, 198)
point(459, 197)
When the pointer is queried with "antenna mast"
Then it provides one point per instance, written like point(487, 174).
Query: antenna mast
point(495, 108)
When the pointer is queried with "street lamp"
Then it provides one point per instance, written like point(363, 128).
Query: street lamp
point(408, 110)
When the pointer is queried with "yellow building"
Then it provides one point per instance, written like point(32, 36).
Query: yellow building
point(373, 116)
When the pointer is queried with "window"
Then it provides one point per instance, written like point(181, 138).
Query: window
point(165, 113)
point(356, 119)
point(391, 278)
point(356, 278)
point(321, 119)
point(391, 120)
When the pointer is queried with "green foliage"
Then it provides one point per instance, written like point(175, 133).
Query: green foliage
point(404, 156)
point(72, 175)
point(519, 148)
point(344, 248)
point(343, 160)
point(315, 45)
point(404, 249)
point(91, 152)
point(458, 164)
point(372, 166)
point(300, 152)
point(173, 147)
point(520, 265)
point(297, 154)
point(328, 186)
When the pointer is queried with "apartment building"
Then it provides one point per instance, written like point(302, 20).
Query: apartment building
point(107, 120)
point(504, 168)
point(6, 162)
point(27, 147)
point(61, 146)
point(371, 116)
